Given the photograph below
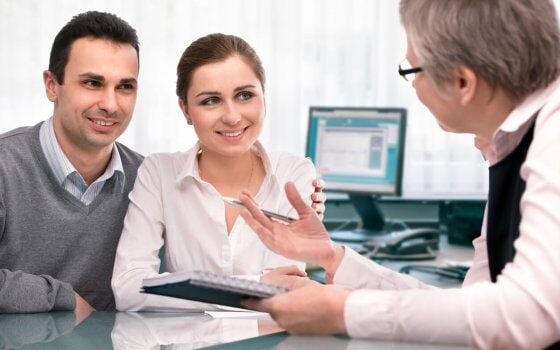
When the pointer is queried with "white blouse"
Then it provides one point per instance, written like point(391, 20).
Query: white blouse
point(172, 206)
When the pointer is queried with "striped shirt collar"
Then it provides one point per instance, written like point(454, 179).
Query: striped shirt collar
point(62, 167)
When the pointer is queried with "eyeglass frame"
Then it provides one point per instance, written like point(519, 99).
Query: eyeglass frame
point(404, 72)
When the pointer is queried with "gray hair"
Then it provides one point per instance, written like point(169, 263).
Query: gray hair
point(510, 44)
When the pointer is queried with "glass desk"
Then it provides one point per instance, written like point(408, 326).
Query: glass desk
point(147, 330)
point(144, 330)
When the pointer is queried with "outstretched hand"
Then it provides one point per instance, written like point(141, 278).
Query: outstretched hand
point(305, 239)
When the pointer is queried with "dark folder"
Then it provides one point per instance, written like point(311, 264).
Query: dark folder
point(209, 287)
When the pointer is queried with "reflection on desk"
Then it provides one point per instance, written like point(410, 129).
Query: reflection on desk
point(128, 330)
point(56, 330)
point(178, 331)
point(17, 331)
point(283, 341)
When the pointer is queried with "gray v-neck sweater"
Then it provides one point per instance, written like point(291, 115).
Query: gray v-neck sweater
point(51, 244)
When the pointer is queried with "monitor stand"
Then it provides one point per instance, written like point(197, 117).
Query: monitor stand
point(373, 221)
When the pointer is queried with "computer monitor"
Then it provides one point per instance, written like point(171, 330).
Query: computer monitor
point(359, 151)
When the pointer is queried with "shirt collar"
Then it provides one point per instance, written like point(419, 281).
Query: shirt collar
point(190, 167)
point(527, 109)
point(61, 165)
point(114, 167)
point(508, 135)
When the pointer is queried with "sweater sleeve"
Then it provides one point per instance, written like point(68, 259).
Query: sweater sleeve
point(23, 293)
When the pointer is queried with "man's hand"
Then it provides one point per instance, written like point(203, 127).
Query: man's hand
point(312, 309)
point(305, 239)
point(318, 198)
point(285, 276)
point(82, 309)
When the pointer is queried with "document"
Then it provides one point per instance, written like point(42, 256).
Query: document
point(238, 314)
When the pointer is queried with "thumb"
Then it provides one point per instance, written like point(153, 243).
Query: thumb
point(255, 304)
point(291, 270)
point(296, 201)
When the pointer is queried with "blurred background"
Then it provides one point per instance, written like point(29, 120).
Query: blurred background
point(315, 52)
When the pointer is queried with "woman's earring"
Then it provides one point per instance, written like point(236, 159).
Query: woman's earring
point(189, 121)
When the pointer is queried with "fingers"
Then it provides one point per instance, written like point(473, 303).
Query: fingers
point(319, 197)
point(263, 232)
point(250, 195)
point(291, 270)
point(247, 199)
point(319, 208)
point(319, 185)
point(302, 282)
point(295, 199)
point(262, 305)
point(255, 218)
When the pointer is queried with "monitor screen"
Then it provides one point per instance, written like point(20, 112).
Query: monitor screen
point(358, 150)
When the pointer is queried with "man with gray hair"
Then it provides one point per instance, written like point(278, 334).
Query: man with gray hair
point(488, 68)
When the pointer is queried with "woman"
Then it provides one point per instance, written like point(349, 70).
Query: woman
point(177, 198)
point(488, 68)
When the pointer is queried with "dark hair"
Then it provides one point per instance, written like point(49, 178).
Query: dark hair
point(211, 49)
point(99, 25)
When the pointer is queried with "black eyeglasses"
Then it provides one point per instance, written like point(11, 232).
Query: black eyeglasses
point(405, 69)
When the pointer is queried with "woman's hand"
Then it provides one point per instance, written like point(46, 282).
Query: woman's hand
point(285, 276)
point(318, 198)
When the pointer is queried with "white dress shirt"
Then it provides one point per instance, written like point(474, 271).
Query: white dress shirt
point(172, 206)
point(65, 173)
point(520, 310)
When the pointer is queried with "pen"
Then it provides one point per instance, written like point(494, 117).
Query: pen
point(270, 214)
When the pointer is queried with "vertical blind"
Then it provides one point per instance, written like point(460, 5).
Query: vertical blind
point(315, 52)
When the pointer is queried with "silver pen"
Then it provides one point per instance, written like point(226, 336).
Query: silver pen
point(270, 214)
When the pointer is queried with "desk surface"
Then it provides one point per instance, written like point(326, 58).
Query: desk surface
point(445, 255)
point(129, 330)
point(145, 330)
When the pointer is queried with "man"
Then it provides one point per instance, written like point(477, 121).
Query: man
point(64, 183)
point(489, 68)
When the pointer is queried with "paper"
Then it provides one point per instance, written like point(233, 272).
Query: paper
point(237, 314)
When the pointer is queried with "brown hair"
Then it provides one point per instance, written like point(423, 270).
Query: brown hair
point(211, 49)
